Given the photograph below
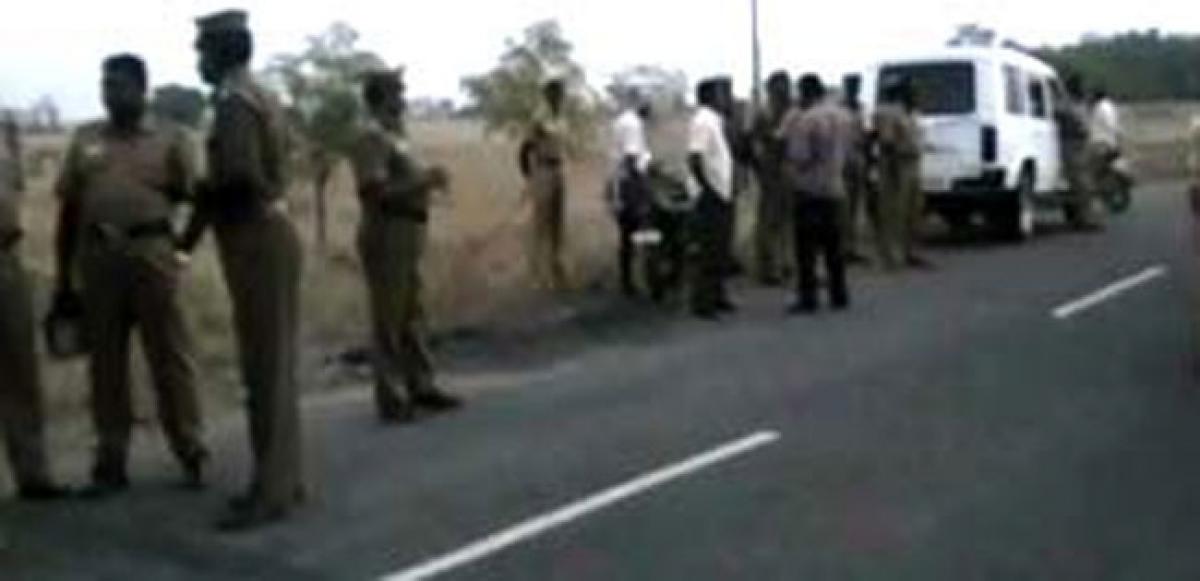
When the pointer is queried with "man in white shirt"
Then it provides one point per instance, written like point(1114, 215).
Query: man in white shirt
point(710, 184)
point(1106, 122)
point(1194, 163)
point(631, 149)
point(629, 192)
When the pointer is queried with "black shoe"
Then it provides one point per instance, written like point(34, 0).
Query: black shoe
point(397, 413)
point(843, 305)
point(241, 501)
point(707, 314)
point(104, 488)
point(802, 308)
point(771, 280)
point(726, 306)
point(250, 516)
point(43, 492)
point(856, 259)
point(918, 262)
point(193, 472)
point(247, 500)
point(436, 401)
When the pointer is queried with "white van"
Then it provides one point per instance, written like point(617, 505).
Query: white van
point(991, 141)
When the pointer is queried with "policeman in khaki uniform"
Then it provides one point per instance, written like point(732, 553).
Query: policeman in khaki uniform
point(1074, 128)
point(259, 248)
point(21, 408)
point(772, 236)
point(858, 195)
point(394, 191)
point(901, 200)
point(1194, 163)
point(119, 183)
point(543, 163)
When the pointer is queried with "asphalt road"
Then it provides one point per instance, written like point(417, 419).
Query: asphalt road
point(950, 427)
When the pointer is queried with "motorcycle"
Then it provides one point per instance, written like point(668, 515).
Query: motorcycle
point(1114, 181)
point(652, 216)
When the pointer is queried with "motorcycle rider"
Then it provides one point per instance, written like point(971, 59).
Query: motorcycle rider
point(1106, 137)
point(629, 189)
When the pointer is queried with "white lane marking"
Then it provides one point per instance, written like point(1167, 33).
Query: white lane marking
point(1109, 292)
point(540, 524)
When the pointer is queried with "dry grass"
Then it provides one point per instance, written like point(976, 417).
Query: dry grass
point(476, 272)
point(1158, 135)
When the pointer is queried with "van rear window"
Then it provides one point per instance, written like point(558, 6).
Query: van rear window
point(942, 88)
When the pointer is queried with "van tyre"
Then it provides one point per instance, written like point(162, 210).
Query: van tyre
point(1016, 219)
point(958, 220)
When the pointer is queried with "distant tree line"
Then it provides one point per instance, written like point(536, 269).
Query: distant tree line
point(1134, 66)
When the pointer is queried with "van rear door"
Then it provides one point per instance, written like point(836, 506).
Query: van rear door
point(947, 99)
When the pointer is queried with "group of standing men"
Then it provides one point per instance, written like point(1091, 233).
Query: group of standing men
point(813, 157)
point(824, 171)
point(120, 185)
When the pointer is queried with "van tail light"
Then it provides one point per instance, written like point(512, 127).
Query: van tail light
point(990, 144)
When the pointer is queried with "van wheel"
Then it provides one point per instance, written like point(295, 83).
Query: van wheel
point(1016, 220)
point(958, 220)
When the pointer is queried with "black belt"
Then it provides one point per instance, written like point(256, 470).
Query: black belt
point(150, 230)
point(155, 229)
point(399, 209)
point(9, 240)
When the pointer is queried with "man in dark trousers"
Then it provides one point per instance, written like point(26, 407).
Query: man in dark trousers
point(858, 192)
point(259, 248)
point(710, 184)
point(817, 141)
point(630, 194)
point(734, 115)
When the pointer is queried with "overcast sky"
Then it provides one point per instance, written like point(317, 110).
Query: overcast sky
point(54, 46)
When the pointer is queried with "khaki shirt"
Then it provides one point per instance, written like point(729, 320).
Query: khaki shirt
point(391, 181)
point(548, 135)
point(10, 186)
point(1073, 123)
point(856, 154)
point(899, 133)
point(247, 150)
point(127, 180)
point(1194, 150)
point(769, 147)
point(817, 143)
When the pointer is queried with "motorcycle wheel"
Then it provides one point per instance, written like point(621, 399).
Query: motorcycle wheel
point(1118, 198)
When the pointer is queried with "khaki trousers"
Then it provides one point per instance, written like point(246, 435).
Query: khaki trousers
point(132, 285)
point(547, 190)
point(391, 250)
point(901, 211)
point(262, 262)
point(21, 407)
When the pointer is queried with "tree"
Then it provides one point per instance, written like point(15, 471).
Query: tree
point(508, 96)
point(321, 85)
point(665, 89)
point(1135, 65)
point(46, 117)
point(183, 105)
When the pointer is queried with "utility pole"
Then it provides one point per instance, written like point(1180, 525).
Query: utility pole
point(755, 57)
